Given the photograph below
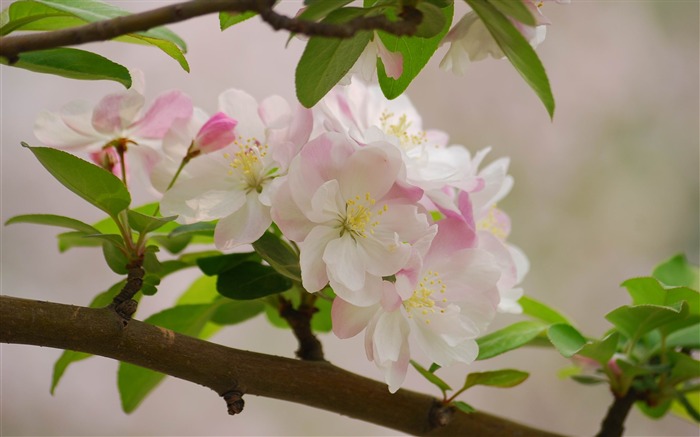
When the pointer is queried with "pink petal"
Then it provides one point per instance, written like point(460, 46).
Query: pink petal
point(313, 269)
point(393, 61)
point(116, 112)
point(244, 226)
point(349, 320)
point(216, 133)
point(166, 109)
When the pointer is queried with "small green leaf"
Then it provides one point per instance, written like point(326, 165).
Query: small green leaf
point(53, 220)
point(200, 228)
point(516, 10)
point(94, 184)
point(464, 407)
point(279, 255)
point(496, 378)
point(67, 240)
point(685, 368)
point(173, 245)
point(566, 339)
point(431, 377)
point(688, 337)
point(635, 321)
point(233, 312)
point(218, 264)
point(678, 272)
point(228, 19)
point(416, 53)
point(508, 338)
point(327, 60)
point(72, 64)
point(541, 311)
point(517, 49)
point(657, 411)
point(250, 280)
point(645, 291)
point(601, 350)
point(319, 10)
point(588, 380)
point(134, 382)
point(116, 258)
point(143, 223)
point(434, 368)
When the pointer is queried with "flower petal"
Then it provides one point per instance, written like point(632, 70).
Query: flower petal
point(349, 320)
point(167, 109)
point(244, 226)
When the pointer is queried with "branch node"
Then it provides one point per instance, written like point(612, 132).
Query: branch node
point(440, 415)
point(234, 401)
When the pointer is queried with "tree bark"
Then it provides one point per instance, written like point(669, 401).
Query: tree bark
point(225, 370)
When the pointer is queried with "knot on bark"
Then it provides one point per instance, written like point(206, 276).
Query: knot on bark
point(440, 415)
point(234, 401)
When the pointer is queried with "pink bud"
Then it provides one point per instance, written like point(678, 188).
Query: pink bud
point(108, 158)
point(216, 134)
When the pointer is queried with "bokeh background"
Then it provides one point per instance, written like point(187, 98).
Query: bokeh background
point(603, 193)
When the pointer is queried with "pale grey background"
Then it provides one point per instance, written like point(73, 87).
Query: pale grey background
point(603, 193)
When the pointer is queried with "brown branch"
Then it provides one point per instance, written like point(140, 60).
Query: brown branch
point(12, 46)
point(299, 319)
point(231, 372)
point(613, 424)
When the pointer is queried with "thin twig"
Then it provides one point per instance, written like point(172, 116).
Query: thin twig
point(12, 46)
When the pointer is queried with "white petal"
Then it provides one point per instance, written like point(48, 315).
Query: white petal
point(345, 262)
point(244, 226)
point(313, 269)
point(349, 320)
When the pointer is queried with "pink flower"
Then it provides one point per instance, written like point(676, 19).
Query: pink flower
point(117, 121)
point(354, 219)
point(366, 65)
point(444, 301)
point(470, 40)
point(233, 184)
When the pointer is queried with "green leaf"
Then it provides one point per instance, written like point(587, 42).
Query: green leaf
point(635, 321)
point(319, 10)
point(517, 49)
point(60, 14)
point(433, 20)
point(431, 377)
point(516, 10)
point(657, 411)
point(218, 264)
point(464, 407)
point(72, 64)
point(649, 291)
point(69, 357)
point(94, 184)
point(236, 311)
point(687, 406)
point(53, 220)
point(327, 60)
point(321, 320)
point(200, 228)
point(678, 272)
point(566, 339)
point(434, 368)
point(688, 337)
point(416, 53)
point(201, 291)
point(228, 19)
point(588, 380)
point(508, 338)
point(601, 350)
point(279, 255)
point(143, 223)
point(541, 311)
point(250, 280)
point(134, 382)
point(116, 258)
point(496, 378)
point(67, 240)
point(173, 245)
point(685, 368)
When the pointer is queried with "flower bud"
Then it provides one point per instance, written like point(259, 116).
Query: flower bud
point(216, 134)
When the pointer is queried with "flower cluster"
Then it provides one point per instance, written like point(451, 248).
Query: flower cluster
point(401, 225)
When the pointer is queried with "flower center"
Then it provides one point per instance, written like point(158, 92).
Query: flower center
point(400, 129)
point(247, 162)
point(359, 217)
point(423, 300)
point(495, 222)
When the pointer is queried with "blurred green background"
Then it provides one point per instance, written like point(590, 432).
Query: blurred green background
point(603, 193)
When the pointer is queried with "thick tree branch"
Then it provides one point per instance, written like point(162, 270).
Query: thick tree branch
point(12, 46)
point(225, 370)
point(613, 424)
